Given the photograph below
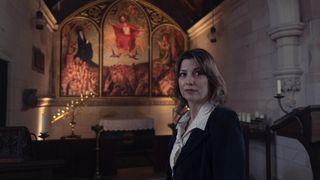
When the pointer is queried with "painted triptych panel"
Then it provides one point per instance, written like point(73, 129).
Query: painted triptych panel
point(168, 43)
point(120, 48)
point(79, 58)
point(125, 51)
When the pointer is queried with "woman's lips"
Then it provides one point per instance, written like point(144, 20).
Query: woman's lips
point(190, 90)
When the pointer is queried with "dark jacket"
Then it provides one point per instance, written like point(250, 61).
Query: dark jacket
point(217, 153)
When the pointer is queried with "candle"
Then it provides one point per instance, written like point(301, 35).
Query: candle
point(278, 86)
point(239, 116)
point(44, 123)
point(248, 118)
point(256, 114)
point(243, 116)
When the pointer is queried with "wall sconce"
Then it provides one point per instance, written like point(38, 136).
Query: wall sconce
point(29, 99)
point(39, 20)
point(213, 35)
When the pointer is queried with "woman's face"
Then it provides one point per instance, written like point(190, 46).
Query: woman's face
point(193, 83)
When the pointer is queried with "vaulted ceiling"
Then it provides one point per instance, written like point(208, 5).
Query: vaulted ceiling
point(185, 12)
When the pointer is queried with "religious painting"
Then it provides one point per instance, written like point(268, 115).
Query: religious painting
point(167, 44)
point(79, 58)
point(38, 60)
point(125, 51)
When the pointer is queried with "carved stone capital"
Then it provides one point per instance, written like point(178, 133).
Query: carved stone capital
point(288, 72)
point(292, 84)
point(286, 30)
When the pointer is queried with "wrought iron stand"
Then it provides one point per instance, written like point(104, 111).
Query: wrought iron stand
point(98, 130)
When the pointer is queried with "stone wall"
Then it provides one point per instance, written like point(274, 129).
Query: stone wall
point(18, 36)
point(259, 42)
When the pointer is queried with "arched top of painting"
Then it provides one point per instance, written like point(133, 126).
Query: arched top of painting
point(168, 42)
point(93, 10)
point(86, 24)
point(170, 29)
point(126, 34)
point(130, 9)
point(70, 33)
point(157, 16)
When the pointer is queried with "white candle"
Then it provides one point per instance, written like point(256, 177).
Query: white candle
point(248, 118)
point(278, 86)
point(44, 123)
point(256, 114)
point(243, 116)
point(239, 116)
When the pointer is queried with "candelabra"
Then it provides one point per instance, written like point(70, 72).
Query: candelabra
point(72, 124)
point(69, 112)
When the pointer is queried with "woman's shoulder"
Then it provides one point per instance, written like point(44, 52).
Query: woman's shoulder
point(223, 111)
point(223, 115)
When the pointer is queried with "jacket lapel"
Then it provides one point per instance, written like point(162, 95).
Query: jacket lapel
point(196, 137)
point(172, 140)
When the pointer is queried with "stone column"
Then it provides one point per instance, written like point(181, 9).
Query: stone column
point(286, 28)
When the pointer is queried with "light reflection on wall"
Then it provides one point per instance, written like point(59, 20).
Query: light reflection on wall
point(43, 120)
point(40, 120)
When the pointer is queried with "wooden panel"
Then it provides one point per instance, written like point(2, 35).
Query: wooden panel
point(132, 148)
point(315, 126)
point(161, 152)
point(32, 170)
point(78, 154)
point(3, 92)
point(303, 124)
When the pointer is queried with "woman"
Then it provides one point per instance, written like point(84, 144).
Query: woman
point(208, 142)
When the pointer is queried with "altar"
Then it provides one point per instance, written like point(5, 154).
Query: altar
point(127, 124)
point(134, 140)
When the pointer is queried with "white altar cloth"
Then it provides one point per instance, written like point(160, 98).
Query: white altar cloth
point(126, 124)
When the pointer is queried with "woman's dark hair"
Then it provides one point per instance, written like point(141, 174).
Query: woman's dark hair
point(217, 88)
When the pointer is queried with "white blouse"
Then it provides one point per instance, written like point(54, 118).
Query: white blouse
point(182, 137)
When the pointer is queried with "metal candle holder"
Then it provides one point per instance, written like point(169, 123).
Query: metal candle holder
point(279, 97)
point(43, 135)
point(98, 129)
point(72, 124)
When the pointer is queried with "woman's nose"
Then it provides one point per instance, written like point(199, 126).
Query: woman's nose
point(190, 80)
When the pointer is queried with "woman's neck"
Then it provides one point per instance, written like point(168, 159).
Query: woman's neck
point(194, 109)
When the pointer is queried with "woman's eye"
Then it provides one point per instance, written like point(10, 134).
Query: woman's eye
point(198, 73)
point(182, 74)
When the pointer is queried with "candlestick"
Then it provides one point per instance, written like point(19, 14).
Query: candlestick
point(98, 129)
point(43, 135)
point(279, 97)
